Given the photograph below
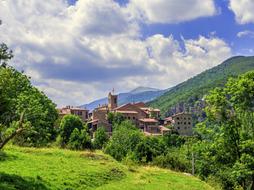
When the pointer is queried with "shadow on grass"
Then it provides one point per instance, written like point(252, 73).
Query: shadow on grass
point(5, 157)
point(12, 182)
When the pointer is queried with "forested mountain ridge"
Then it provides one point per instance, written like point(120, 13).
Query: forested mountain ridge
point(187, 96)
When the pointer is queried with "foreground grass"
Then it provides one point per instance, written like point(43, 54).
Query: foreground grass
point(51, 168)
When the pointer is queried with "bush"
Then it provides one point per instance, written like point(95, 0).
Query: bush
point(67, 125)
point(175, 159)
point(124, 140)
point(100, 138)
point(147, 149)
point(79, 140)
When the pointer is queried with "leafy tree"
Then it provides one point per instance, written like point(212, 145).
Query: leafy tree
point(100, 138)
point(67, 126)
point(227, 147)
point(115, 118)
point(124, 140)
point(79, 140)
point(149, 148)
point(18, 95)
point(5, 55)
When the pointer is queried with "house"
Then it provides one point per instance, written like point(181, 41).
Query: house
point(181, 123)
point(82, 113)
point(144, 118)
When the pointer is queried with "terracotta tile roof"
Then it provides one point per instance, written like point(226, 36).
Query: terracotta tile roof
point(162, 128)
point(150, 120)
point(126, 111)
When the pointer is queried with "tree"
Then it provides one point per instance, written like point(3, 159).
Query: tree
point(100, 138)
point(79, 140)
point(16, 95)
point(124, 140)
point(67, 126)
point(227, 147)
point(5, 55)
point(6, 134)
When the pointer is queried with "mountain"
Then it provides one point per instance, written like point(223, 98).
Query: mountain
point(140, 94)
point(187, 96)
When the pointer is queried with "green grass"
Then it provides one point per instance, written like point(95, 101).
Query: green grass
point(52, 168)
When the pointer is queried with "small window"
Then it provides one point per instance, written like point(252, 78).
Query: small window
point(134, 118)
point(178, 123)
point(178, 128)
point(184, 123)
point(129, 117)
point(177, 118)
point(189, 123)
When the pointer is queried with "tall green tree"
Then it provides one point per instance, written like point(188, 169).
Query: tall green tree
point(67, 126)
point(227, 148)
point(17, 95)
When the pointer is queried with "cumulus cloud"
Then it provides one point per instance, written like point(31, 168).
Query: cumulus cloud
point(243, 10)
point(171, 11)
point(76, 53)
point(245, 33)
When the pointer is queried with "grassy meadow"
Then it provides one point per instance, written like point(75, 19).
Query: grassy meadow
point(52, 168)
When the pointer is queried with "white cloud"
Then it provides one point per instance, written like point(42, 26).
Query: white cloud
point(245, 33)
point(78, 53)
point(243, 10)
point(171, 11)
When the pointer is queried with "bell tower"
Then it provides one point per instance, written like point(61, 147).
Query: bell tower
point(112, 101)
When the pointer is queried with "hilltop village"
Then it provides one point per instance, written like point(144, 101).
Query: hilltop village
point(147, 119)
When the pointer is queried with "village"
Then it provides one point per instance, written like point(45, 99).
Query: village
point(147, 119)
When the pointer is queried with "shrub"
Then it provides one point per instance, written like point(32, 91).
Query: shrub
point(124, 140)
point(79, 140)
point(67, 125)
point(100, 138)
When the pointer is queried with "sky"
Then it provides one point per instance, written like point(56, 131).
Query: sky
point(77, 51)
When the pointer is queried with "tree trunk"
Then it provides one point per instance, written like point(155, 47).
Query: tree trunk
point(17, 131)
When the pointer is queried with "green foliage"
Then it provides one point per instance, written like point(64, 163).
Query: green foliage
point(124, 140)
point(175, 159)
point(53, 168)
point(227, 147)
point(79, 140)
point(149, 148)
point(100, 138)
point(192, 90)
point(115, 118)
point(5, 55)
point(18, 95)
point(173, 140)
point(67, 126)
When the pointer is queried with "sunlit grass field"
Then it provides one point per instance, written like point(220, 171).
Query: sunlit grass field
point(52, 168)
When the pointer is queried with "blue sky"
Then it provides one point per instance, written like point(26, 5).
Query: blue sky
point(77, 51)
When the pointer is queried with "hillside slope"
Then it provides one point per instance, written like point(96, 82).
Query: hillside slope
point(49, 168)
point(186, 95)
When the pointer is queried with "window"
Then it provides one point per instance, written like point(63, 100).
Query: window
point(134, 118)
point(177, 118)
point(178, 128)
point(189, 123)
point(129, 117)
point(184, 123)
point(178, 123)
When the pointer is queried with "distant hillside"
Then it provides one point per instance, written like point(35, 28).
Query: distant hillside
point(140, 94)
point(188, 95)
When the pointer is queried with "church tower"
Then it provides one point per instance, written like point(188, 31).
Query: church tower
point(112, 101)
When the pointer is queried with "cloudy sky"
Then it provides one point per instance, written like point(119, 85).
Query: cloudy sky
point(77, 51)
